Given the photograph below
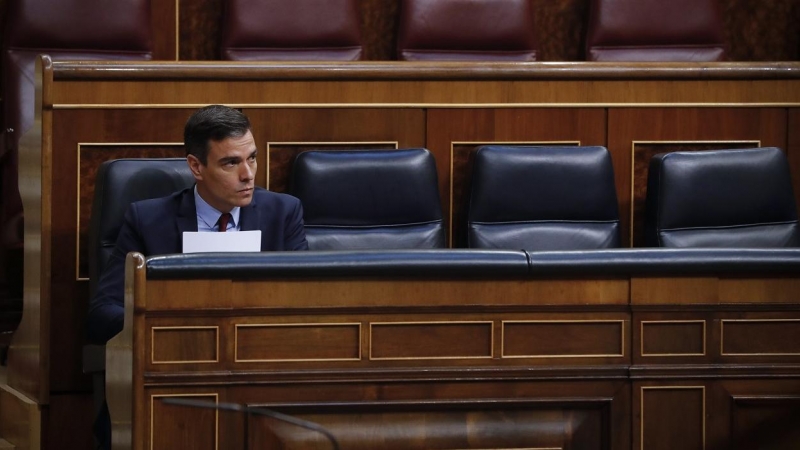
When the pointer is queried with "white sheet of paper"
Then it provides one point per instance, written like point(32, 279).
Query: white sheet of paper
point(240, 241)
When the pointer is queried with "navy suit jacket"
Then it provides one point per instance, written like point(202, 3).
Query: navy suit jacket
point(155, 227)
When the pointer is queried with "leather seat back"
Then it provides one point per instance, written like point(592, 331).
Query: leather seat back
point(655, 30)
point(466, 30)
point(119, 183)
point(721, 198)
point(369, 199)
point(542, 198)
point(280, 30)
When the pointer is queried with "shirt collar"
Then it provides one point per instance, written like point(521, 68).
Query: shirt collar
point(207, 215)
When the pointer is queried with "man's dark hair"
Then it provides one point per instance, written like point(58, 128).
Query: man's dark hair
point(212, 123)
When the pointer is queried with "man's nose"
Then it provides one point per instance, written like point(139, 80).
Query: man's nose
point(247, 173)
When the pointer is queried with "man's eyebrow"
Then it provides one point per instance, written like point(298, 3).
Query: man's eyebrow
point(254, 154)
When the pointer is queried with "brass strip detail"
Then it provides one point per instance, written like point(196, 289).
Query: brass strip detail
point(177, 30)
point(298, 144)
point(435, 322)
point(295, 325)
point(452, 152)
point(425, 105)
point(641, 409)
point(757, 143)
point(200, 327)
point(722, 337)
point(216, 413)
point(641, 337)
point(78, 190)
point(503, 340)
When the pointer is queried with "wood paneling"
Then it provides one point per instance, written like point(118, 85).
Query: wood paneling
point(430, 340)
point(760, 337)
point(173, 426)
point(199, 23)
point(673, 338)
point(563, 339)
point(164, 19)
point(665, 409)
point(297, 342)
point(184, 344)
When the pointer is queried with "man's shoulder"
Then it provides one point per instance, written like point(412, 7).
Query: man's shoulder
point(160, 203)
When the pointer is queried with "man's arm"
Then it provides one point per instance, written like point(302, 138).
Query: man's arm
point(106, 308)
point(294, 231)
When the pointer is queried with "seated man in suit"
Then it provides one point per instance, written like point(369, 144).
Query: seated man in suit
point(221, 154)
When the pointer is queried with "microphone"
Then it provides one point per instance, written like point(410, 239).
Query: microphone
point(308, 425)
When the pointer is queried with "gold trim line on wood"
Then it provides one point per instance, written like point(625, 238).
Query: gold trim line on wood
point(452, 153)
point(641, 409)
point(503, 339)
point(298, 144)
point(78, 190)
point(435, 322)
point(296, 325)
point(667, 142)
point(216, 413)
point(641, 338)
point(177, 30)
point(423, 105)
point(198, 327)
point(722, 337)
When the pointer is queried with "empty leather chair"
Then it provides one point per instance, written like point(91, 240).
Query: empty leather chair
point(65, 30)
point(280, 30)
point(369, 199)
point(466, 30)
point(721, 198)
point(542, 198)
point(655, 30)
point(119, 183)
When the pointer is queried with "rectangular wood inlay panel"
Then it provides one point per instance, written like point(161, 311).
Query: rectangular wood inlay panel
point(173, 345)
point(761, 337)
point(673, 338)
point(173, 426)
point(431, 340)
point(672, 417)
point(563, 339)
point(298, 342)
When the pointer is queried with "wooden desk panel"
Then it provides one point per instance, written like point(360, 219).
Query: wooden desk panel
point(395, 356)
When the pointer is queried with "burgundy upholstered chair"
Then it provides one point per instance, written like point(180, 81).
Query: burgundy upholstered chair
point(655, 30)
point(466, 30)
point(65, 30)
point(298, 30)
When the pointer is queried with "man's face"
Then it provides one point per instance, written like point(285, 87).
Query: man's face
point(226, 180)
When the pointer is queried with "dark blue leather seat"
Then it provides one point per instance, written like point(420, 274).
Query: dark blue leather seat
point(369, 199)
point(542, 198)
point(722, 198)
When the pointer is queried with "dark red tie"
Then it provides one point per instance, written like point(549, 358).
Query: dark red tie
point(223, 221)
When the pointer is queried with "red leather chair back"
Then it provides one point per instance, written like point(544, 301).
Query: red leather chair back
point(466, 30)
point(655, 30)
point(284, 30)
point(65, 30)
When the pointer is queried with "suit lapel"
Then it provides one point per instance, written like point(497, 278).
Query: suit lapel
point(250, 218)
point(186, 220)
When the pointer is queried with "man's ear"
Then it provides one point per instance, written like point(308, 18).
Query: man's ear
point(195, 166)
